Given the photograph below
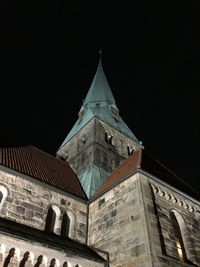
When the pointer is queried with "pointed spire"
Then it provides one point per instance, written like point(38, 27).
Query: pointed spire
point(100, 103)
point(99, 90)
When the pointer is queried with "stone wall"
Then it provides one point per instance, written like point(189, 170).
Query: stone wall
point(19, 252)
point(28, 201)
point(89, 147)
point(159, 202)
point(119, 141)
point(117, 224)
point(132, 222)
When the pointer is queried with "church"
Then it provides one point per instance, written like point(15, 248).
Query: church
point(102, 201)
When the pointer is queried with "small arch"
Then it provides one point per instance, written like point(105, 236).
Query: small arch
point(53, 263)
point(9, 257)
point(25, 259)
point(39, 261)
point(52, 219)
point(67, 264)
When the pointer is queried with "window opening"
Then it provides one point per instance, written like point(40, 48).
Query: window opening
point(178, 238)
point(130, 150)
point(50, 221)
point(9, 257)
point(65, 225)
point(52, 263)
point(108, 138)
point(25, 259)
point(39, 261)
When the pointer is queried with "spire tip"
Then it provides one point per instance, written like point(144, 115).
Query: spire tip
point(100, 53)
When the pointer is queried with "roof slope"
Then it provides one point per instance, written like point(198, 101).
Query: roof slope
point(48, 239)
point(33, 162)
point(145, 161)
point(100, 103)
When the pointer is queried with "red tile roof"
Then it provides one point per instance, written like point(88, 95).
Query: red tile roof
point(33, 162)
point(145, 161)
point(127, 167)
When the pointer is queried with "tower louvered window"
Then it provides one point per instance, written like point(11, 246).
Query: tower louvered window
point(108, 138)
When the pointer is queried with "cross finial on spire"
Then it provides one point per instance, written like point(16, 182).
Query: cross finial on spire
point(100, 52)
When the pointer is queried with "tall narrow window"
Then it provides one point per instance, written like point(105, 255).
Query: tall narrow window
point(65, 225)
point(53, 219)
point(178, 237)
point(50, 221)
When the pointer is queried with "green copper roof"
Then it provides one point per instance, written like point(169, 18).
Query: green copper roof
point(99, 90)
point(92, 179)
point(100, 103)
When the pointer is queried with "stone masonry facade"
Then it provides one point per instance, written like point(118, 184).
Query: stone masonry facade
point(117, 224)
point(132, 222)
point(89, 147)
point(28, 202)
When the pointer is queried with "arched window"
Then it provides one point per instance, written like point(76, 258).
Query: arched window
point(52, 263)
point(65, 264)
point(25, 259)
point(52, 219)
point(68, 224)
point(178, 235)
point(184, 242)
point(9, 257)
point(39, 261)
point(65, 225)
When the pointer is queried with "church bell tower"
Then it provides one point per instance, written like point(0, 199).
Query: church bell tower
point(100, 140)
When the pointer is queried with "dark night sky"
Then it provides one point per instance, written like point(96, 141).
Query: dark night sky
point(49, 55)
